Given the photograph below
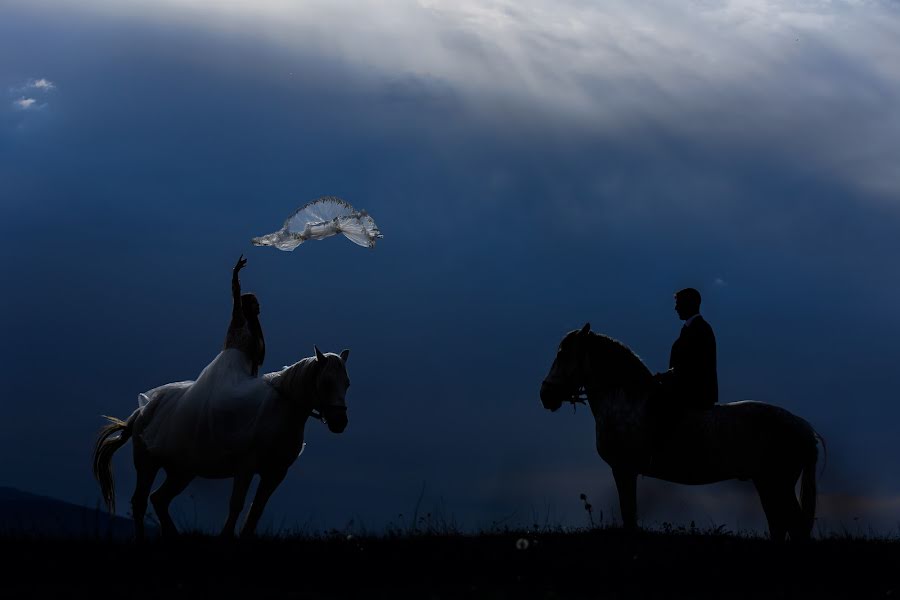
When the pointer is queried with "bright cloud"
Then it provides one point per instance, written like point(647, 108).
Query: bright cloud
point(814, 80)
point(25, 103)
point(42, 84)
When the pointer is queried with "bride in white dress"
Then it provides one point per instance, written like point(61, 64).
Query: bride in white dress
point(201, 421)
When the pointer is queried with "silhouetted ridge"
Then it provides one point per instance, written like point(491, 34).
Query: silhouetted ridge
point(23, 513)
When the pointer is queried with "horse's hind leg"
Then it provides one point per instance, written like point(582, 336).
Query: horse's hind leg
point(626, 484)
point(146, 473)
point(791, 514)
point(173, 485)
point(798, 527)
point(775, 508)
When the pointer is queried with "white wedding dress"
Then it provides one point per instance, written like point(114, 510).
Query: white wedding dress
point(204, 423)
point(320, 219)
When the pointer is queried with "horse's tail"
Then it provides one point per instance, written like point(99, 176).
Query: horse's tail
point(808, 482)
point(104, 449)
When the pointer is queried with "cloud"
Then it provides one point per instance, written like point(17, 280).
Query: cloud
point(42, 84)
point(25, 103)
point(838, 511)
point(814, 81)
point(810, 83)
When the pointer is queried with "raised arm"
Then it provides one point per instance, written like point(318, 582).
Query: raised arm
point(236, 312)
point(232, 336)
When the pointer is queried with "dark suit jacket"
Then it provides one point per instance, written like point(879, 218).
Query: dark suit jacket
point(692, 365)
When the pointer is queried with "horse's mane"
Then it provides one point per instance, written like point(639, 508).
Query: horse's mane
point(618, 366)
point(286, 377)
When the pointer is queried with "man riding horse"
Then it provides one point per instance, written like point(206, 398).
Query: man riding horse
point(691, 380)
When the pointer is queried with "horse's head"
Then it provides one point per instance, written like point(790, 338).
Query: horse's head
point(566, 376)
point(331, 383)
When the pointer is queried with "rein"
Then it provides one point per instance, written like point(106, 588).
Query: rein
point(317, 414)
point(579, 396)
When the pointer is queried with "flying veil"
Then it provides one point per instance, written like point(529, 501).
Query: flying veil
point(322, 218)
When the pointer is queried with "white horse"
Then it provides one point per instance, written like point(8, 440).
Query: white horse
point(740, 440)
point(315, 386)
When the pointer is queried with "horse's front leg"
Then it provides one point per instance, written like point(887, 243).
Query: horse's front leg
point(242, 481)
point(626, 484)
point(268, 481)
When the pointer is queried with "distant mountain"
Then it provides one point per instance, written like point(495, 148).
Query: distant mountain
point(22, 513)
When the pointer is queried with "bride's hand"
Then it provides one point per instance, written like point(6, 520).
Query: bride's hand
point(241, 263)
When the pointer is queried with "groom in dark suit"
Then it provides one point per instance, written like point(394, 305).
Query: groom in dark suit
point(691, 380)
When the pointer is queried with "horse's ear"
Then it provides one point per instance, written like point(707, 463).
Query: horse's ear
point(319, 356)
point(586, 329)
point(345, 354)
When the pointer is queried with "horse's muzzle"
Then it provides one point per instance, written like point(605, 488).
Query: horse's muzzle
point(336, 419)
point(552, 396)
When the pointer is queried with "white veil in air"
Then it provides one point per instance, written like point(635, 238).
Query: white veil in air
point(320, 219)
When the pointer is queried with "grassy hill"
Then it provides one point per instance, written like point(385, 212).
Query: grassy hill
point(588, 564)
point(23, 513)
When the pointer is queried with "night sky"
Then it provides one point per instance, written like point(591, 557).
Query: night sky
point(532, 166)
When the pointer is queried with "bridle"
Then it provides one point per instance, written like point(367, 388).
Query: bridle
point(319, 413)
point(579, 395)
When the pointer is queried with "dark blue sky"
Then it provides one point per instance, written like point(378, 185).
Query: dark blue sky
point(531, 169)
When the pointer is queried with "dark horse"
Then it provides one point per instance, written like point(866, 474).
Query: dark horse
point(315, 386)
point(739, 440)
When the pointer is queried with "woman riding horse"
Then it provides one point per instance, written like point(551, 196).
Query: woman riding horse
point(227, 423)
point(244, 331)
